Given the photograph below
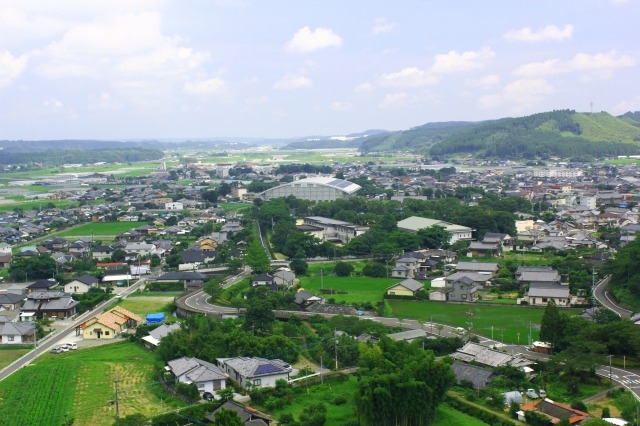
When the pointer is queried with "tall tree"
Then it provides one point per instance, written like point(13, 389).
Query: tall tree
point(226, 417)
point(257, 258)
point(552, 324)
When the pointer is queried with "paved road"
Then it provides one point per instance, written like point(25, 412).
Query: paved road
point(602, 296)
point(199, 301)
point(49, 342)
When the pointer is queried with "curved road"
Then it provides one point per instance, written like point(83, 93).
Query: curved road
point(602, 296)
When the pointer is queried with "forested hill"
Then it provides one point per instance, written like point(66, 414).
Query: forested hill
point(562, 133)
point(54, 153)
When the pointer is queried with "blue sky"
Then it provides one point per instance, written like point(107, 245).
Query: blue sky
point(129, 69)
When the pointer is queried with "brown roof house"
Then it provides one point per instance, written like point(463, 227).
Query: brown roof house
point(109, 324)
point(555, 411)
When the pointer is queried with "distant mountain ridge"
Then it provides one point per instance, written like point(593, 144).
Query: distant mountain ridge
point(563, 133)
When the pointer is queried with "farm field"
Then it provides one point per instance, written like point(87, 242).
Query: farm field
point(507, 321)
point(79, 385)
point(100, 229)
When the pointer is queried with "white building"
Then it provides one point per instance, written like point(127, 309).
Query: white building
point(174, 206)
point(415, 223)
point(255, 372)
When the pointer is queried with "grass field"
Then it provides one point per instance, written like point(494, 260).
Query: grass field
point(30, 205)
point(507, 321)
point(8, 355)
point(100, 229)
point(358, 289)
point(144, 304)
point(80, 385)
point(340, 414)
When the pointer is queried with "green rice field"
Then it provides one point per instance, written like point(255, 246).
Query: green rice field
point(100, 229)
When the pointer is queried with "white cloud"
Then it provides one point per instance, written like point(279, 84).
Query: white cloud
point(548, 33)
point(408, 77)
point(291, 82)
point(394, 100)
point(483, 83)
point(465, 61)
point(10, 67)
point(582, 62)
point(210, 86)
point(53, 104)
point(340, 106)
point(521, 94)
point(257, 100)
point(305, 40)
point(365, 87)
point(381, 26)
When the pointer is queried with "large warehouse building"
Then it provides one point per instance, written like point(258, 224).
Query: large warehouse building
point(313, 189)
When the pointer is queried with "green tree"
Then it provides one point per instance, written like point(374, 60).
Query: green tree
point(299, 266)
point(314, 415)
point(257, 258)
point(226, 417)
point(226, 394)
point(343, 269)
point(552, 324)
point(259, 317)
point(213, 287)
point(118, 255)
point(374, 269)
point(435, 237)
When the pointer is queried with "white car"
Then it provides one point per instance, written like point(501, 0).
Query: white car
point(72, 346)
point(64, 348)
point(532, 394)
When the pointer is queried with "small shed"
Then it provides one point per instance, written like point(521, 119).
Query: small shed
point(513, 396)
point(156, 318)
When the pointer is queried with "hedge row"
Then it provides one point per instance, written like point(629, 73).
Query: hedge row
point(479, 413)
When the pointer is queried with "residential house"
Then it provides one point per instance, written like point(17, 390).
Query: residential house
point(152, 340)
point(478, 354)
point(255, 372)
point(408, 287)
point(248, 415)
point(478, 377)
point(192, 280)
point(11, 301)
point(406, 267)
point(141, 249)
point(284, 277)
point(439, 294)
point(79, 248)
point(539, 295)
point(487, 268)
point(81, 284)
point(207, 376)
point(542, 276)
point(42, 285)
point(17, 333)
point(5, 260)
point(49, 304)
point(102, 252)
point(264, 280)
point(109, 324)
point(554, 411)
point(174, 206)
point(463, 289)
point(304, 298)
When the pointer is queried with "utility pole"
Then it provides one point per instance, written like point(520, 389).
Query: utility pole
point(335, 347)
point(117, 406)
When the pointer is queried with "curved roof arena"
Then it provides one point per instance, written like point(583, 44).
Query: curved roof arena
point(314, 189)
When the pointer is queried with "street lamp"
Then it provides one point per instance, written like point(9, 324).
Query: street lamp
point(610, 381)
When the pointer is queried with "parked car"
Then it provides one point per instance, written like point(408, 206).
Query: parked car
point(64, 348)
point(542, 393)
point(208, 396)
point(532, 394)
point(72, 346)
point(56, 350)
point(460, 330)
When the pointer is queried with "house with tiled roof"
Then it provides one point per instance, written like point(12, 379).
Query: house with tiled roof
point(81, 284)
point(49, 304)
point(408, 287)
point(109, 324)
point(252, 372)
point(207, 376)
point(249, 416)
point(554, 411)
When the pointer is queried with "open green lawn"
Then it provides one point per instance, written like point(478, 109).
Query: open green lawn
point(100, 229)
point(8, 354)
point(506, 320)
point(30, 205)
point(340, 414)
point(143, 304)
point(356, 289)
point(79, 385)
